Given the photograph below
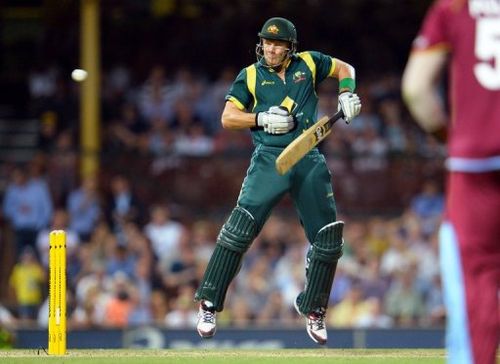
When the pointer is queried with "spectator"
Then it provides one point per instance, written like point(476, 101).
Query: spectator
point(62, 167)
point(128, 130)
point(350, 309)
point(120, 306)
point(211, 103)
point(27, 205)
point(428, 205)
point(140, 313)
point(370, 151)
point(181, 272)
point(398, 257)
point(84, 315)
point(239, 313)
point(183, 312)
point(194, 142)
point(376, 238)
point(372, 282)
point(434, 303)
point(202, 240)
point(289, 273)
point(93, 292)
point(429, 202)
point(59, 222)
point(256, 285)
point(373, 315)
point(123, 205)
point(403, 302)
point(84, 208)
point(42, 82)
point(391, 112)
point(156, 97)
point(274, 311)
point(159, 307)
point(166, 235)
point(121, 261)
point(27, 281)
point(47, 132)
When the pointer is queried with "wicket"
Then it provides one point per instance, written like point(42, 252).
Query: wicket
point(57, 292)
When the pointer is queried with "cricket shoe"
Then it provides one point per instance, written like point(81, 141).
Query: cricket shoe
point(206, 320)
point(315, 324)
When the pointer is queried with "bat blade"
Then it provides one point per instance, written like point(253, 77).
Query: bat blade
point(305, 142)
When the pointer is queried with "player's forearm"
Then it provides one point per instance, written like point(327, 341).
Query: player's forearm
point(346, 75)
point(234, 118)
point(427, 109)
point(238, 120)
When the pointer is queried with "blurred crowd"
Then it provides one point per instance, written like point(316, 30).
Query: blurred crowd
point(178, 112)
point(135, 262)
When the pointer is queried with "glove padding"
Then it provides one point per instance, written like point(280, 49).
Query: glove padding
point(276, 120)
point(350, 104)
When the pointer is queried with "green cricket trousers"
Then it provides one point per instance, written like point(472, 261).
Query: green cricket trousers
point(309, 184)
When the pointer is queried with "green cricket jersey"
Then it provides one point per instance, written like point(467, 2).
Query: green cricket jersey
point(257, 88)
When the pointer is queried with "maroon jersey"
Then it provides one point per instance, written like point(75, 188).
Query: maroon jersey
point(470, 31)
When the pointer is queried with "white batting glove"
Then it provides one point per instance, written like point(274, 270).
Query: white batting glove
point(350, 104)
point(276, 120)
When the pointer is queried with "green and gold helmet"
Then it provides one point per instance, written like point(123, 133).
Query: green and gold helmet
point(279, 29)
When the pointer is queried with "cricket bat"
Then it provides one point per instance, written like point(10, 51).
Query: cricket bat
point(304, 143)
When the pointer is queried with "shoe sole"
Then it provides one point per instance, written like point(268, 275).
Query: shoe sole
point(313, 338)
point(207, 335)
point(316, 340)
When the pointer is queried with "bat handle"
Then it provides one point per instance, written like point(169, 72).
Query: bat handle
point(338, 115)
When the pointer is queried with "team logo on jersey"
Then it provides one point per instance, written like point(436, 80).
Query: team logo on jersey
point(273, 29)
point(266, 82)
point(299, 76)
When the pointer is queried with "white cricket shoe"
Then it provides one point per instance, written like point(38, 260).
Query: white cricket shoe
point(206, 320)
point(315, 324)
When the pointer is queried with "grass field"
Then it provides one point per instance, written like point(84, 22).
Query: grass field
point(288, 356)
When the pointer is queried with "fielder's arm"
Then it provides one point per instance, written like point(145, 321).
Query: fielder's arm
point(420, 90)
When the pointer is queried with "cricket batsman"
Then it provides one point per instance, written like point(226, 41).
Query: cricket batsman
point(276, 98)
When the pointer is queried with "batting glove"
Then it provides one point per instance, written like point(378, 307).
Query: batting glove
point(350, 104)
point(276, 120)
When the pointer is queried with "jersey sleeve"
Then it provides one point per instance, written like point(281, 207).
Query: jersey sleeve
point(238, 92)
point(435, 31)
point(324, 65)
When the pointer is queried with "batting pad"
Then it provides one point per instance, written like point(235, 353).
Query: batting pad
point(234, 239)
point(323, 257)
point(222, 268)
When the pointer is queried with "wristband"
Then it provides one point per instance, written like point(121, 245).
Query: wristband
point(348, 83)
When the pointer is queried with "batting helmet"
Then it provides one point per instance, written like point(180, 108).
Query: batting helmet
point(279, 29)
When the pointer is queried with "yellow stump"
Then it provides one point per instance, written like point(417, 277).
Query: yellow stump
point(57, 293)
